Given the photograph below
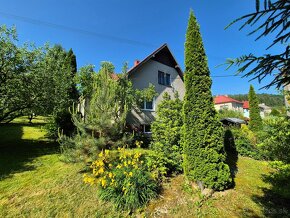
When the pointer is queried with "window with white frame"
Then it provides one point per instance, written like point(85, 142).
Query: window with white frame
point(149, 105)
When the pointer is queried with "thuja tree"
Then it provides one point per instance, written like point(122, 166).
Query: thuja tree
point(255, 122)
point(202, 138)
point(166, 131)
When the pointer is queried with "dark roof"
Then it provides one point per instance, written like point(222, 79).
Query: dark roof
point(156, 55)
point(233, 120)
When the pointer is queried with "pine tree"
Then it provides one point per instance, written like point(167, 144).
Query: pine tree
point(202, 138)
point(255, 122)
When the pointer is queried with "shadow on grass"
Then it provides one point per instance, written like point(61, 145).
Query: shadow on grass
point(16, 154)
point(275, 200)
point(231, 154)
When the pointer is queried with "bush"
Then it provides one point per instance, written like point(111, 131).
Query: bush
point(275, 139)
point(60, 121)
point(123, 178)
point(225, 113)
point(166, 131)
point(246, 142)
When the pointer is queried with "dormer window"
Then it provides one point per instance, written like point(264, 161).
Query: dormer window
point(164, 78)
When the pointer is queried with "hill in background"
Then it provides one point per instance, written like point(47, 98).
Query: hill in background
point(269, 99)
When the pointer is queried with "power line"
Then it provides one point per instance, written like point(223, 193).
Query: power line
point(77, 30)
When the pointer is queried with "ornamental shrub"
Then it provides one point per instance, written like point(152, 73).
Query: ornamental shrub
point(202, 137)
point(246, 142)
point(275, 139)
point(166, 131)
point(123, 178)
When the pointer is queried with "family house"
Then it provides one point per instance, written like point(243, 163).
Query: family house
point(160, 69)
point(222, 102)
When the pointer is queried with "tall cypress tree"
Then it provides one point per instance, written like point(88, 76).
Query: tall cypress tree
point(202, 138)
point(255, 122)
point(72, 62)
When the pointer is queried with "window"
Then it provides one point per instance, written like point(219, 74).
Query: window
point(147, 128)
point(148, 105)
point(164, 78)
point(161, 77)
point(167, 79)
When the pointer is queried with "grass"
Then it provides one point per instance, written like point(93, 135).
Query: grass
point(35, 183)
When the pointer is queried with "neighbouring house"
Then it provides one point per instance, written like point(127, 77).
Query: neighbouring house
point(246, 109)
point(264, 109)
point(160, 69)
point(222, 102)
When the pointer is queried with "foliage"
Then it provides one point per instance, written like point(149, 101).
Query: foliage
point(255, 122)
point(20, 76)
point(104, 124)
point(166, 131)
point(85, 80)
point(224, 113)
point(23, 69)
point(123, 179)
point(60, 92)
point(275, 112)
point(269, 99)
point(280, 178)
point(272, 19)
point(275, 139)
point(245, 142)
point(202, 138)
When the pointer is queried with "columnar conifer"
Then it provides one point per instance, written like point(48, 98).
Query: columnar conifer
point(202, 138)
point(255, 122)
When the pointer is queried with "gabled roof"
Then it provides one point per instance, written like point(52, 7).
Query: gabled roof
point(162, 50)
point(225, 99)
point(246, 105)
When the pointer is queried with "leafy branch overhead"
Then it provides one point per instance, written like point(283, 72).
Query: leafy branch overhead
point(273, 19)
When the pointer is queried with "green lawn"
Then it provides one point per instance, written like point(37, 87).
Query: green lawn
point(35, 183)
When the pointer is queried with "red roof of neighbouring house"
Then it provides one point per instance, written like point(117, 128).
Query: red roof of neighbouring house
point(246, 105)
point(225, 99)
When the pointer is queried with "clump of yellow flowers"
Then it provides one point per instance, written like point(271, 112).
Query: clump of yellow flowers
point(123, 178)
point(106, 167)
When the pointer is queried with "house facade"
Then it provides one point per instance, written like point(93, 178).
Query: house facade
point(223, 102)
point(264, 109)
point(160, 69)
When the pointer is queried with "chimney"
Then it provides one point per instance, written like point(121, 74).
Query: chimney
point(136, 62)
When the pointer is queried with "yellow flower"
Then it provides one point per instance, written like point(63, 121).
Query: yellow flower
point(103, 182)
point(95, 172)
point(119, 166)
point(101, 170)
point(106, 152)
point(101, 154)
point(130, 174)
point(111, 175)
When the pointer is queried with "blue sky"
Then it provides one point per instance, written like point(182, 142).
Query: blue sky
point(119, 31)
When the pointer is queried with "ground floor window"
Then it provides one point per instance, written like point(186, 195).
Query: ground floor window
point(147, 128)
